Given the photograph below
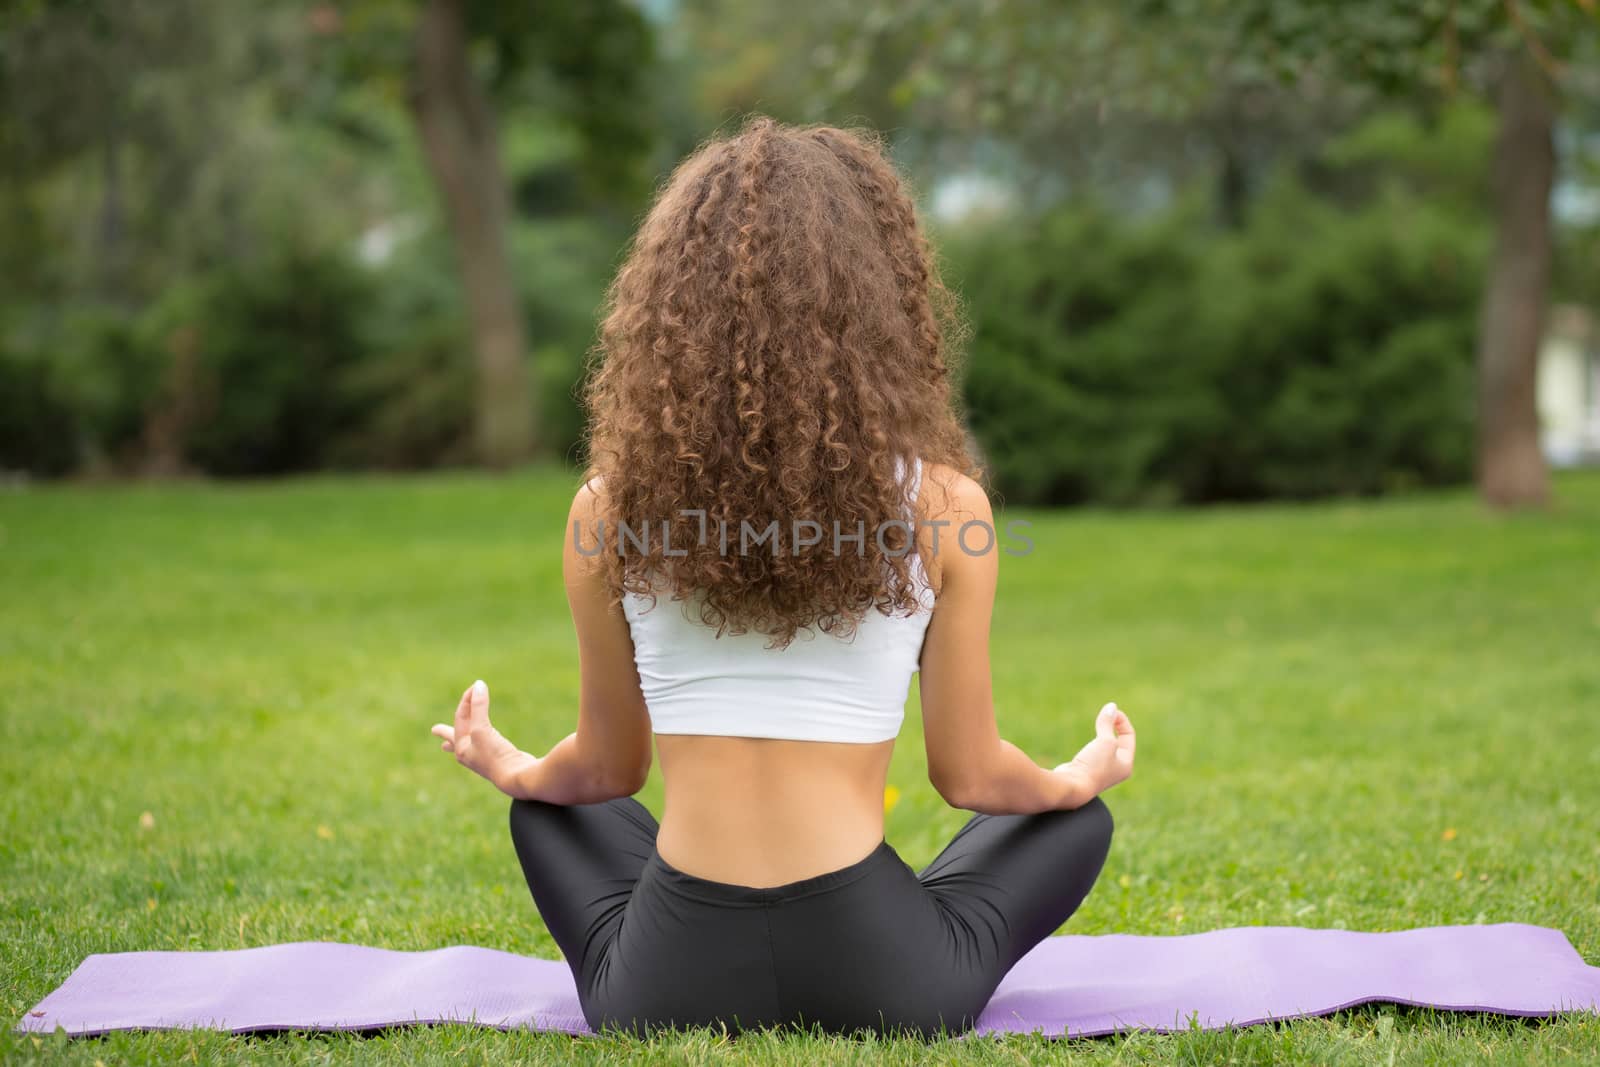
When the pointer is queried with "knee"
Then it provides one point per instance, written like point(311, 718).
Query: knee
point(520, 812)
point(528, 818)
point(1096, 823)
point(519, 820)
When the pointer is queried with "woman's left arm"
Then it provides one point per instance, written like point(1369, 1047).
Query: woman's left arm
point(608, 755)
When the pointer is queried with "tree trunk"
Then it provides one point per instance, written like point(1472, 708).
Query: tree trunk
point(461, 145)
point(1511, 465)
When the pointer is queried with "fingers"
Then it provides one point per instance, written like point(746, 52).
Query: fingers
point(1125, 739)
point(464, 713)
point(472, 711)
point(1105, 723)
point(480, 702)
point(1113, 724)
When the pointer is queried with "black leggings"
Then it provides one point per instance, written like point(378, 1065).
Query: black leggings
point(869, 947)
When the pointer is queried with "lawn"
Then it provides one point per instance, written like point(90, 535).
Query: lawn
point(217, 699)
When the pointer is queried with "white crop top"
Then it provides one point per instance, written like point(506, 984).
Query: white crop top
point(819, 688)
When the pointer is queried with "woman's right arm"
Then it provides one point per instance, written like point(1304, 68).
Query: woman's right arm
point(969, 763)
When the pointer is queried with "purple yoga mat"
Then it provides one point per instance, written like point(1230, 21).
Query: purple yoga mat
point(1075, 985)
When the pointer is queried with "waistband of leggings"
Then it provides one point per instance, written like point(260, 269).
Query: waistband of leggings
point(681, 882)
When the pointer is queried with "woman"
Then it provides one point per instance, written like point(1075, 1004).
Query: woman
point(779, 527)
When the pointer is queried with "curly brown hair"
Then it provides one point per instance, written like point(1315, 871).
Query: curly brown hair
point(777, 336)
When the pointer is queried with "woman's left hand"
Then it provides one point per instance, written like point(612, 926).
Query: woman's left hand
point(477, 745)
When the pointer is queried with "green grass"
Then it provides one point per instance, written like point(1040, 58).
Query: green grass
point(1324, 693)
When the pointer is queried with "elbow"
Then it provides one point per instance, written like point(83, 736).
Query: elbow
point(623, 781)
point(634, 782)
point(959, 790)
point(608, 770)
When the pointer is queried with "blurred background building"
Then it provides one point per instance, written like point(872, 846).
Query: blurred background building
point(1569, 387)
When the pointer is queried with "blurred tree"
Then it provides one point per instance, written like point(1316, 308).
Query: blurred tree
point(461, 143)
point(1052, 80)
point(155, 158)
point(1522, 54)
point(1318, 349)
point(1055, 97)
point(134, 109)
point(142, 147)
point(456, 59)
point(1577, 265)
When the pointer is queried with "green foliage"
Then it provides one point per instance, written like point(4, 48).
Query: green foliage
point(272, 346)
point(583, 67)
point(248, 371)
point(1440, 155)
point(1395, 48)
point(564, 265)
point(113, 369)
point(295, 360)
point(1576, 275)
point(1316, 351)
point(76, 395)
point(414, 393)
point(182, 187)
point(38, 427)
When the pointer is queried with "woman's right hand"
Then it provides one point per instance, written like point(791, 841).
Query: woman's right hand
point(476, 744)
point(1108, 759)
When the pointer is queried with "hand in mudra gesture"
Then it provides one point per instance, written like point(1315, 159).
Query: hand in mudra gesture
point(1108, 759)
point(477, 745)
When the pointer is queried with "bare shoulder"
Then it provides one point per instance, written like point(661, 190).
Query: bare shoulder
point(947, 501)
point(584, 530)
point(590, 500)
point(951, 496)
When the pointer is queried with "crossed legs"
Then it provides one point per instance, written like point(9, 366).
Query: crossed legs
point(1002, 884)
